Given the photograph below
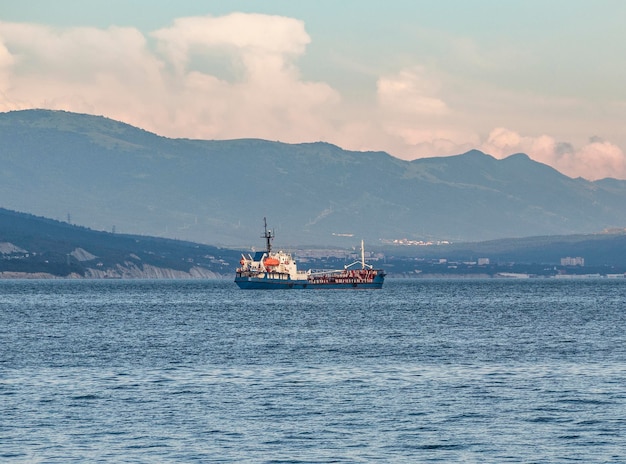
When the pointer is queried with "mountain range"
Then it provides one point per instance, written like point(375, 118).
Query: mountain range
point(107, 175)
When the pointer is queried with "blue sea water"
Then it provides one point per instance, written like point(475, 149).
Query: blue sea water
point(420, 371)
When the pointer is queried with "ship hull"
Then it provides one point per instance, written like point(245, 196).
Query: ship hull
point(258, 283)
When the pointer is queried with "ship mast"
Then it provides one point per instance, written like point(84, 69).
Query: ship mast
point(362, 255)
point(268, 236)
point(363, 264)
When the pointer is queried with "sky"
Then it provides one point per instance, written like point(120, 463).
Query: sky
point(413, 78)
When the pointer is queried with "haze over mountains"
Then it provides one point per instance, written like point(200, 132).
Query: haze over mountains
point(105, 174)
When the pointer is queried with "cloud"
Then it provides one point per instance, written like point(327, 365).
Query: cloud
point(6, 63)
point(410, 91)
point(264, 95)
point(164, 82)
point(253, 37)
point(412, 118)
point(595, 160)
point(501, 141)
point(79, 69)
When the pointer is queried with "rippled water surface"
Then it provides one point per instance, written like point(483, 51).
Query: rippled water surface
point(421, 371)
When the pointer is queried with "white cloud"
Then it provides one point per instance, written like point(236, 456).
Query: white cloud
point(502, 142)
point(6, 63)
point(80, 69)
point(411, 91)
point(251, 36)
point(165, 88)
point(594, 160)
point(412, 119)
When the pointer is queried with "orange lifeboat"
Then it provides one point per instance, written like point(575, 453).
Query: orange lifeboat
point(270, 262)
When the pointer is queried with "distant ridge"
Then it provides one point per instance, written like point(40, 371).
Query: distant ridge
point(38, 247)
point(106, 174)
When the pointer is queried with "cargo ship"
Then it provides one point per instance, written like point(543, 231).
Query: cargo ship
point(275, 270)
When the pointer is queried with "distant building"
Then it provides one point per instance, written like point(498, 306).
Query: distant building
point(569, 261)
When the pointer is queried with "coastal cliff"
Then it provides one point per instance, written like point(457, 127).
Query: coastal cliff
point(38, 248)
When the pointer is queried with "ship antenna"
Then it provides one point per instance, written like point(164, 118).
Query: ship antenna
point(268, 236)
